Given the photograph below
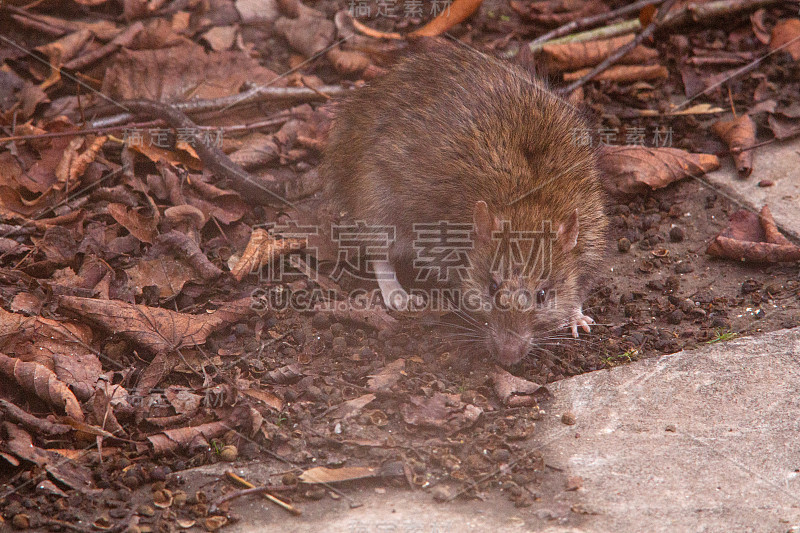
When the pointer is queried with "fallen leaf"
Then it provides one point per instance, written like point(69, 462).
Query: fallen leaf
point(387, 377)
point(321, 474)
point(261, 251)
point(623, 73)
point(143, 226)
point(786, 36)
point(157, 329)
point(572, 56)
point(636, 169)
point(166, 273)
point(458, 11)
point(754, 238)
point(350, 408)
point(738, 133)
point(43, 382)
point(269, 399)
point(441, 411)
point(759, 26)
point(515, 391)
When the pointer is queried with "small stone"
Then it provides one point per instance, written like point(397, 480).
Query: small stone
point(671, 428)
point(673, 283)
point(766, 183)
point(677, 234)
point(441, 493)
point(321, 320)
point(574, 483)
point(145, 510)
point(675, 317)
point(339, 345)
point(568, 418)
point(315, 493)
point(21, 521)
point(686, 305)
point(624, 244)
point(683, 268)
point(337, 328)
point(721, 322)
point(229, 453)
point(759, 314)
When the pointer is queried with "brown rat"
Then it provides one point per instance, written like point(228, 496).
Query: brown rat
point(453, 135)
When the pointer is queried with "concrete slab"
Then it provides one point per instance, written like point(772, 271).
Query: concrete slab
point(704, 440)
point(777, 162)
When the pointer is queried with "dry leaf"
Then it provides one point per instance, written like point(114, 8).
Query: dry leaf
point(441, 411)
point(755, 238)
point(459, 11)
point(261, 251)
point(41, 381)
point(166, 273)
point(515, 391)
point(323, 474)
point(351, 408)
point(388, 376)
point(738, 133)
point(141, 226)
point(572, 56)
point(786, 34)
point(623, 73)
point(268, 398)
point(635, 169)
point(158, 330)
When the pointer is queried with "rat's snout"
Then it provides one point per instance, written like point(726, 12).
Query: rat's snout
point(511, 348)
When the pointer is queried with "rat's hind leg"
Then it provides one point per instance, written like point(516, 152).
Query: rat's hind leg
point(394, 296)
point(579, 319)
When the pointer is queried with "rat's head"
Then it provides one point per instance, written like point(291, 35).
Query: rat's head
point(523, 281)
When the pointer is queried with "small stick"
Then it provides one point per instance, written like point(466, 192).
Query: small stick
point(613, 58)
point(252, 489)
point(123, 38)
point(588, 22)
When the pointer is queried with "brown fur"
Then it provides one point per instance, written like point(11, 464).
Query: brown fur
point(450, 127)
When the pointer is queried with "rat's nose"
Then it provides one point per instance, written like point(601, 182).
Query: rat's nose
point(511, 349)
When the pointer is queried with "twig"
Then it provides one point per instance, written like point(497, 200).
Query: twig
point(244, 483)
point(257, 94)
point(616, 56)
point(123, 38)
point(588, 22)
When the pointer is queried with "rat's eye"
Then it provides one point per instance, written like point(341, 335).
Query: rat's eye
point(494, 286)
point(541, 296)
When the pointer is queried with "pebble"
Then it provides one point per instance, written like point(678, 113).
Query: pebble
point(624, 244)
point(675, 317)
point(568, 418)
point(766, 183)
point(677, 234)
point(683, 268)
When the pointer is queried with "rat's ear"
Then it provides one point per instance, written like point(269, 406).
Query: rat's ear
point(568, 232)
point(484, 222)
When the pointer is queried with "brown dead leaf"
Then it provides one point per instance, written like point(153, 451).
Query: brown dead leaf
point(623, 73)
point(759, 26)
point(635, 169)
point(572, 56)
point(74, 162)
point(80, 372)
point(261, 251)
point(388, 376)
point(70, 473)
point(351, 408)
point(754, 238)
point(441, 411)
point(783, 128)
point(193, 437)
point(515, 391)
point(321, 474)
point(269, 399)
point(166, 273)
point(309, 35)
point(143, 226)
point(738, 133)
point(786, 36)
point(459, 11)
point(170, 74)
point(224, 205)
point(158, 330)
point(41, 381)
point(39, 339)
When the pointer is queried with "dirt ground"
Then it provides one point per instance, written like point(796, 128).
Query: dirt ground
point(401, 400)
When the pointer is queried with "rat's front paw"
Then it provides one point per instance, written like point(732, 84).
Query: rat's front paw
point(579, 319)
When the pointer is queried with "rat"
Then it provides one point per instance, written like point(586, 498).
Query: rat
point(451, 134)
